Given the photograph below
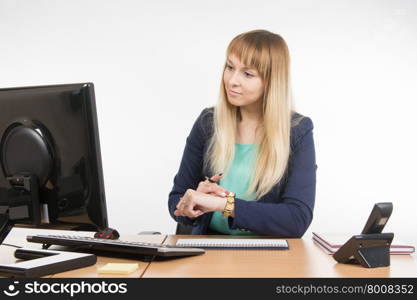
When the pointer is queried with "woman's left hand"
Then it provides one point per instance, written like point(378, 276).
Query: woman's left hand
point(193, 204)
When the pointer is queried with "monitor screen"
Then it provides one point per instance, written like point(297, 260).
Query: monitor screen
point(50, 150)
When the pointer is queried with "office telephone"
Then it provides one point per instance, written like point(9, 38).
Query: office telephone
point(370, 248)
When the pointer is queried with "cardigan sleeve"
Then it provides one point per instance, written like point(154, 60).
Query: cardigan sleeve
point(290, 214)
point(190, 172)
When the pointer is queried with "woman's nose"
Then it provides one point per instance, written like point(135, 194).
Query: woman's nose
point(234, 79)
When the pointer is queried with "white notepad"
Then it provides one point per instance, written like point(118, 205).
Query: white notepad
point(234, 243)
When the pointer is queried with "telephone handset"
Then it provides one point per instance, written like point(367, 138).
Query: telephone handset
point(378, 218)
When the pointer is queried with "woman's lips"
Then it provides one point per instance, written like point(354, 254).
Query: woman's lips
point(234, 93)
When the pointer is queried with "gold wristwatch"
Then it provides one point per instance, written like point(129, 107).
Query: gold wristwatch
point(230, 205)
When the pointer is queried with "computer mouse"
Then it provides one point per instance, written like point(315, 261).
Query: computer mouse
point(107, 233)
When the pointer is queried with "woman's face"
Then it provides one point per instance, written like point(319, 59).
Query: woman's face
point(243, 85)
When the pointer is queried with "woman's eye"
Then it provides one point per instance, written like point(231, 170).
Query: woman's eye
point(229, 67)
point(247, 74)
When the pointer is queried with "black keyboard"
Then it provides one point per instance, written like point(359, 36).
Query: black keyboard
point(115, 246)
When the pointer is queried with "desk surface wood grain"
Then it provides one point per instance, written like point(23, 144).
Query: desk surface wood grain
point(304, 259)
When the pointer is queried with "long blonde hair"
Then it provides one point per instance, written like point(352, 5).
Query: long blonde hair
point(268, 54)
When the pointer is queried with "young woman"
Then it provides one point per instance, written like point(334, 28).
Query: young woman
point(248, 166)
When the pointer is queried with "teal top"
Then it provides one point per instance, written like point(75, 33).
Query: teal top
point(237, 180)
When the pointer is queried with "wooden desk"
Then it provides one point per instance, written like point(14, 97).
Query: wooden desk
point(304, 259)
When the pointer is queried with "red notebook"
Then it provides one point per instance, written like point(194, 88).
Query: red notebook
point(331, 242)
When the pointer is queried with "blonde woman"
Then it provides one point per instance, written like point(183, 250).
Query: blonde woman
point(248, 166)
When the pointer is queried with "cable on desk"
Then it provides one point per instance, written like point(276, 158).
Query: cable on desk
point(10, 245)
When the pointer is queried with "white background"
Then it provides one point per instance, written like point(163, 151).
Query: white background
point(157, 64)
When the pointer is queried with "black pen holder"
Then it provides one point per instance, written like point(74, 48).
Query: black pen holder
point(368, 250)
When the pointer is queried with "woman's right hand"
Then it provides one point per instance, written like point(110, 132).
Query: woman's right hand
point(210, 186)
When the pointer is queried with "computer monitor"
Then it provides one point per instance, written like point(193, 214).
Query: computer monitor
point(51, 172)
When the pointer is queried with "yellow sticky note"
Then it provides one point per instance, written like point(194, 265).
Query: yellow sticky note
point(118, 268)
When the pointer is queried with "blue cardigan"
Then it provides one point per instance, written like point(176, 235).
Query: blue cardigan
point(285, 211)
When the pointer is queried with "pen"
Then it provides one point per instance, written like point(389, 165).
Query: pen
point(211, 180)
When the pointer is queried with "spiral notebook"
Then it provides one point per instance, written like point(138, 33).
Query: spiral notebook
point(267, 244)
